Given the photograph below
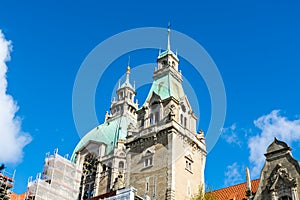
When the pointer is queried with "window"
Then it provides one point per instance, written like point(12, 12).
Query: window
point(188, 163)
point(147, 184)
point(156, 117)
point(104, 167)
point(142, 122)
point(181, 119)
point(285, 198)
point(185, 120)
point(151, 119)
point(121, 166)
point(148, 161)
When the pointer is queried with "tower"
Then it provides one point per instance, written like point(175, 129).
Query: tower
point(101, 152)
point(165, 155)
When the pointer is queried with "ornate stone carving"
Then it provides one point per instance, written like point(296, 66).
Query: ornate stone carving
point(280, 179)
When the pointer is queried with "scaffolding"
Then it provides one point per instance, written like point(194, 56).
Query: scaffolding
point(60, 180)
point(6, 184)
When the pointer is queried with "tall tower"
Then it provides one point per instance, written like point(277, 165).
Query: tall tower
point(165, 155)
point(101, 152)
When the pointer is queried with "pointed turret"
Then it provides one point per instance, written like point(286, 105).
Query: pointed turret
point(167, 77)
point(124, 104)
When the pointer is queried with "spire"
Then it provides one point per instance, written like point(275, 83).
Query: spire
point(128, 71)
point(248, 183)
point(127, 74)
point(169, 30)
point(127, 80)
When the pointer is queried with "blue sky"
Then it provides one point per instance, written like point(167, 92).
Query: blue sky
point(255, 46)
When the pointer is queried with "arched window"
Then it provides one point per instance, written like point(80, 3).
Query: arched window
point(173, 64)
point(121, 165)
point(185, 122)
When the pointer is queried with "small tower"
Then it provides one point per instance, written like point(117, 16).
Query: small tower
point(125, 105)
point(167, 62)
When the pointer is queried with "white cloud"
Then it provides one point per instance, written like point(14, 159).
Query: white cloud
point(12, 138)
point(233, 174)
point(271, 125)
point(230, 135)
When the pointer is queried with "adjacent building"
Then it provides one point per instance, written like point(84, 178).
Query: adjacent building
point(6, 184)
point(279, 179)
point(60, 180)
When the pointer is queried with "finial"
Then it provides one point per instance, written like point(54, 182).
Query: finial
point(169, 30)
point(127, 74)
point(248, 183)
point(119, 83)
point(128, 68)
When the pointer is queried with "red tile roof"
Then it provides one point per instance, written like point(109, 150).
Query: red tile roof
point(235, 192)
point(18, 196)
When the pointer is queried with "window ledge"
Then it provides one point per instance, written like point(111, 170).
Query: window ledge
point(188, 170)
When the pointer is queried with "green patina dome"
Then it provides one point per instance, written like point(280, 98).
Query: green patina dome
point(108, 133)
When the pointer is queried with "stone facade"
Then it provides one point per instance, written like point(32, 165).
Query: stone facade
point(280, 176)
point(155, 148)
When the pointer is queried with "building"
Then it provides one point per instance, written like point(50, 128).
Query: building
point(154, 148)
point(153, 151)
point(279, 179)
point(6, 184)
point(60, 180)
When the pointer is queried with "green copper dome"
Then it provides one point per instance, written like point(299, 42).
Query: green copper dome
point(108, 133)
